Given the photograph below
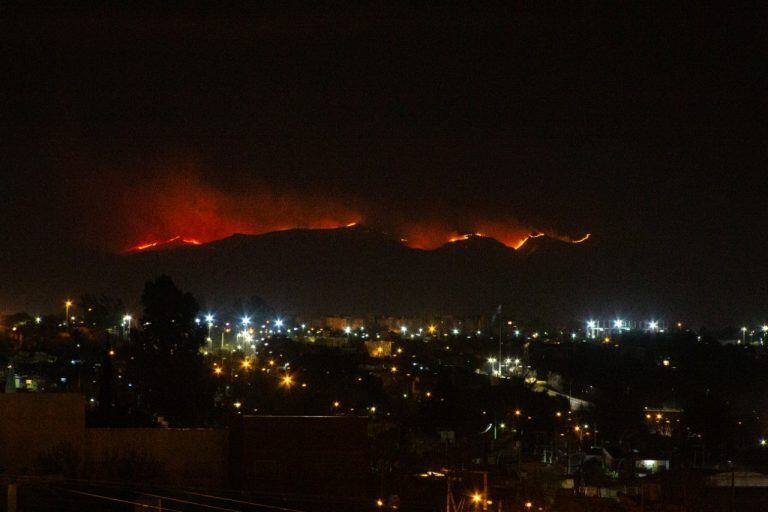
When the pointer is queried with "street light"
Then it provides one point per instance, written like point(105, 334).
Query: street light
point(591, 324)
point(209, 321)
point(127, 319)
point(67, 305)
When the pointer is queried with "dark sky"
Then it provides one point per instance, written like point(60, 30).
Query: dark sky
point(643, 126)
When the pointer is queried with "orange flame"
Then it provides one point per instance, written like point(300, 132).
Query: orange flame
point(582, 239)
point(182, 208)
point(149, 245)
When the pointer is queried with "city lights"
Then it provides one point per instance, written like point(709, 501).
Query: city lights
point(411, 257)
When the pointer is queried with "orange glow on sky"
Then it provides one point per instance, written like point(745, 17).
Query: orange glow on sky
point(182, 208)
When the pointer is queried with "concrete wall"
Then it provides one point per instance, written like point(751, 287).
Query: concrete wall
point(34, 423)
point(317, 459)
point(191, 457)
point(313, 458)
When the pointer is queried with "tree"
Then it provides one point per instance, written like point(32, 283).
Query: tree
point(101, 311)
point(171, 375)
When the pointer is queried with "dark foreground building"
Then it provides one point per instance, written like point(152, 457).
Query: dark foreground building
point(308, 463)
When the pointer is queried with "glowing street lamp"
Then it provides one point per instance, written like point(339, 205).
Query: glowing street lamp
point(618, 323)
point(591, 326)
point(127, 319)
point(403, 329)
point(67, 305)
point(278, 323)
point(209, 321)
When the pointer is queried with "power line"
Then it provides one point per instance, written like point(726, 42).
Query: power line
point(274, 507)
point(118, 500)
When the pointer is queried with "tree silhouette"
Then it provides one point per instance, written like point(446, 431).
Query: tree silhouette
point(102, 312)
point(172, 378)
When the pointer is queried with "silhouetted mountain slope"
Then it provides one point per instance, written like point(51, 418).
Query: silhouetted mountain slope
point(355, 271)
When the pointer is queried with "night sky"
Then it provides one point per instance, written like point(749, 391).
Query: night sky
point(643, 126)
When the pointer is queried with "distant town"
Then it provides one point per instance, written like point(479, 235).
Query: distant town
point(432, 413)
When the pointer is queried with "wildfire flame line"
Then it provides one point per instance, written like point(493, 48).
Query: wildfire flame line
point(194, 241)
point(149, 245)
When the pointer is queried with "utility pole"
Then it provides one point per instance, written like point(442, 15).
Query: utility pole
point(501, 327)
point(11, 501)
